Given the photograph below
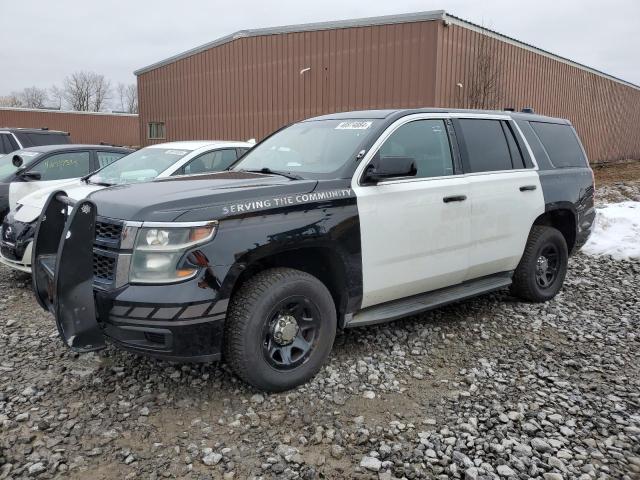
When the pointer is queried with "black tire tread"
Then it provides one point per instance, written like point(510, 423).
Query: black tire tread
point(521, 285)
point(239, 313)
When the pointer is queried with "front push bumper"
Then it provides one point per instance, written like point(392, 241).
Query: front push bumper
point(137, 318)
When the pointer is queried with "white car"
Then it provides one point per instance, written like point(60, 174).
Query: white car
point(156, 161)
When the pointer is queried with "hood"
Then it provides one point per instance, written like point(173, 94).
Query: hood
point(33, 204)
point(205, 196)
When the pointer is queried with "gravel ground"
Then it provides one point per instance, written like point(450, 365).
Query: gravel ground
point(489, 388)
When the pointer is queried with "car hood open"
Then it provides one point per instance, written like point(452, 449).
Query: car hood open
point(204, 197)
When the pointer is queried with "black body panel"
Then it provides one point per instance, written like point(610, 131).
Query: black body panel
point(4, 199)
point(203, 197)
point(15, 237)
point(569, 189)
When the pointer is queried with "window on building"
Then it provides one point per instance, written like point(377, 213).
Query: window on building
point(486, 146)
point(64, 165)
point(561, 144)
point(424, 141)
point(105, 158)
point(155, 131)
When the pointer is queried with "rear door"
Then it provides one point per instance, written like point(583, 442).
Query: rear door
point(414, 237)
point(505, 195)
point(55, 169)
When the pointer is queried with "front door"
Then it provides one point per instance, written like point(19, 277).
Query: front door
point(415, 231)
point(54, 170)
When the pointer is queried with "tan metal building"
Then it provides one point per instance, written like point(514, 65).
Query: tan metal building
point(252, 82)
point(84, 127)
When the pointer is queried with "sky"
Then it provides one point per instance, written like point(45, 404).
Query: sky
point(43, 42)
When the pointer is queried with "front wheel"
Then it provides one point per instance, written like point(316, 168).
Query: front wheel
point(541, 271)
point(280, 328)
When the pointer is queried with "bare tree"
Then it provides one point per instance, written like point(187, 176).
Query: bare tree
point(484, 88)
point(101, 92)
point(128, 95)
point(56, 95)
point(86, 91)
point(11, 100)
point(33, 97)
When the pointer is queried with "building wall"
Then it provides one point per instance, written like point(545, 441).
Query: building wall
point(251, 86)
point(117, 129)
point(605, 113)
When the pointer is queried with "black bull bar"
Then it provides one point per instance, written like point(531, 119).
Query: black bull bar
point(62, 264)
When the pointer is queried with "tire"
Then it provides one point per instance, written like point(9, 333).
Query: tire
point(531, 281)
point(267, 349)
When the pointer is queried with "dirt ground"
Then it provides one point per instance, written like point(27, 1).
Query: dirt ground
point(618, 172)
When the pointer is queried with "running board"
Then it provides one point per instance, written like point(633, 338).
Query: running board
point(428, 301)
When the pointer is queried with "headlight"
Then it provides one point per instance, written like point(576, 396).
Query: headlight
point(159, 248)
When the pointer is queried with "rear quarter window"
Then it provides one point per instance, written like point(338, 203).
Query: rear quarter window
point(39, 139)
point(561, 144)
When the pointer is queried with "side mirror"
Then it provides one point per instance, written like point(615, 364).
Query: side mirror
point(31, 176)
point(385, 167)
point(17, 161)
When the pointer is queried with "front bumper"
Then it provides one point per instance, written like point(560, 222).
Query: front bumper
point(16, 239)
point(180, 322)
point(10, 258)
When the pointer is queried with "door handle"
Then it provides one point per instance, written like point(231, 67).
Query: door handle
point(528, 188)
point(454, 198)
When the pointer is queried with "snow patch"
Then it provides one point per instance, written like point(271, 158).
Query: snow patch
point(616, 231)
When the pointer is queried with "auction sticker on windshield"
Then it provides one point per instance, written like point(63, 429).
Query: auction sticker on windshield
point(353, 125)
point(175, 152)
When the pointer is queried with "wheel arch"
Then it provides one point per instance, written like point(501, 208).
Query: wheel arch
point(324, 262)
point(564, 219)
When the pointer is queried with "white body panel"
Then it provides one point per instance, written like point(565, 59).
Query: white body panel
point(18, 190)
point(501, 218)
point(412, 241)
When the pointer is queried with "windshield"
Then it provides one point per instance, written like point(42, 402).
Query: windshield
point(140, 166)
point(7, 168)
point(313, 147)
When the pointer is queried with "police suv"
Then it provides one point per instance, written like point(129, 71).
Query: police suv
point(337, 221)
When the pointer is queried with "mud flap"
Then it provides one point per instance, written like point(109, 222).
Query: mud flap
point(62, 263)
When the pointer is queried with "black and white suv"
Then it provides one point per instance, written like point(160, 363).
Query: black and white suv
point(338, 221)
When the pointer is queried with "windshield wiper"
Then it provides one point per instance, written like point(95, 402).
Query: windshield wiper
point(102, 184)
point(268, 171)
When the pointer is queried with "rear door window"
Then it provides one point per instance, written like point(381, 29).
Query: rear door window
point(484, 145)
point(64, 165)
point(560, 143)
point(105, 158)
point(215, 161)
point(33, 139)
point(514, 149)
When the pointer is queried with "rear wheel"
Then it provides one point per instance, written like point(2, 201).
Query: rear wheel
point(541, 271)
point(280, 328)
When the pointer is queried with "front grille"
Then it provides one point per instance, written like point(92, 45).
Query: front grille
point(108, 231)
point(104, 268)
